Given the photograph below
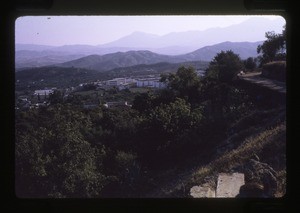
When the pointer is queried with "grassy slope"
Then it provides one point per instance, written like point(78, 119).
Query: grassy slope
point(265, 137)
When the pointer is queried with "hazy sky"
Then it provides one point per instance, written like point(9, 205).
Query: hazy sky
point(94, 30)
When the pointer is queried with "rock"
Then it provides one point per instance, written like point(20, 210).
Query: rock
point(202, 192)
point(229, 184)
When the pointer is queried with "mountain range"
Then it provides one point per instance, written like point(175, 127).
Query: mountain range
point(145, 48)
point(30, 58)
point(174, 43)
point(131, 58)
point(250, 30)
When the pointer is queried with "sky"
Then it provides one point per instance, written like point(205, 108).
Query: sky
point(96, 30)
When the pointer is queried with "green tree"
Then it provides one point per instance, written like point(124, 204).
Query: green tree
point(161, 129)
point(185, 83)
point(143, 102)
point(56, 97)
point(250, 64)
point(53, 159)
point(224, 66)
point(274, 48)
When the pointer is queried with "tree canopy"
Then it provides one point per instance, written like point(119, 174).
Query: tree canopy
point(225, 66)
point(274, 48)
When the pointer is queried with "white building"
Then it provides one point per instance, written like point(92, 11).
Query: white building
point(130, 81)
point(116, 104)
point(150, 82)
point(116, 81)
point(43, 92)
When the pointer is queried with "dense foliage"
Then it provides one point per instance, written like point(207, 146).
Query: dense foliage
point(65, 150)
point(225, 66)
point(274, 48)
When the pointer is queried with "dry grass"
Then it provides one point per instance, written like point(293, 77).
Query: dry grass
point(251, 145)
point(268, 135)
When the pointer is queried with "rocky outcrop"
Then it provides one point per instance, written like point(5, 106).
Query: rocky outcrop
point(202, 192)
point(229, 184)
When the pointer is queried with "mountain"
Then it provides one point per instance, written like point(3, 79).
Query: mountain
point(207, 53)
point(131, 58)
point(135, 39)
point(250, 30)
point(189, 45)
point(120, 59)
point(33, 47)
point(30, 58)
point(173, 43)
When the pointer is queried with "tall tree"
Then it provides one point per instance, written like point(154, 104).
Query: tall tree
point(274, 48)
point(224, 66)
point(184, 82)
point(250, 64)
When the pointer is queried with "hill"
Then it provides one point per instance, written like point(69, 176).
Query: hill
point(243, 49)
point(131, 58)
point(158, 68)
point(52, 77)
point(120, 59)
point(26, 58)
point(31, 58)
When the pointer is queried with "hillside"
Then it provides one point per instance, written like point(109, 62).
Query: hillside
point(243, 49)
point(158, 68)
point(69, 76)
point(120, 59)
point(31, 58)
point(256, 138)
point(52, 77)
point(131, 58)
point(190, 134)
point(81, 56)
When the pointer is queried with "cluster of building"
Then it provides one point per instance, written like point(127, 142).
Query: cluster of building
point(40, 97)
point(124, 83)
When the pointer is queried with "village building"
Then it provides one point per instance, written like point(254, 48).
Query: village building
point(150, 82)
point(44, 93)
point(116, 104)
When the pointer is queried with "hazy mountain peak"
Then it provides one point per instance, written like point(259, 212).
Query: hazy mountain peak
point(140, 33)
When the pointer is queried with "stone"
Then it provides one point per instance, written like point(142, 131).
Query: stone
point(229, 184)
point(202, 192)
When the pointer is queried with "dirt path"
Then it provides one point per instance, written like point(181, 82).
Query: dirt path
point(265, 82)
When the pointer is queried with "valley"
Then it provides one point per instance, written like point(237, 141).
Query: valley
point(146, 115)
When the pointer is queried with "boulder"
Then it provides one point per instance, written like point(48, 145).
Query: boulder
point(202, 192)
point(229, 184)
